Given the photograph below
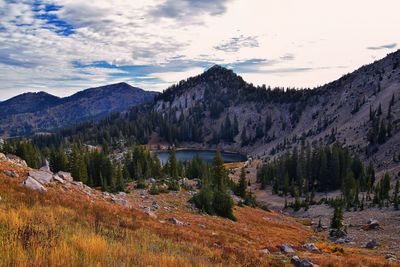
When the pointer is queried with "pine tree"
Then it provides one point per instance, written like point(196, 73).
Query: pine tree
point(243, 137)
point(382, 133)
point(242, 186)
point(396, 196)
point(235, 126)
point(337, 219)
point(219, 172)
point(173, 164)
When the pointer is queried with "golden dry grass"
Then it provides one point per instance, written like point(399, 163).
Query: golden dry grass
point(67, 228)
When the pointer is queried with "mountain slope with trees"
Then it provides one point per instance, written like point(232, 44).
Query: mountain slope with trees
point(218, 108)
point(30, 113)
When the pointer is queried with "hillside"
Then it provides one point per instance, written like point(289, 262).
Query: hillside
point(219, 109)
point(29, 113)
point(275, 120)
point(65, 222)
point(28, 102)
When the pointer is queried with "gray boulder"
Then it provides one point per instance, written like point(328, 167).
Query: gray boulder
point(43, 177)
point(372, 244)
point(32, 184)
point(58, 179)
point(66, 176)
point(372, 225)
point(297, 262)
point(311, 247)
point(285, 248)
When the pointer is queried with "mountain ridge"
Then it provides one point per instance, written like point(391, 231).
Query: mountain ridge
point(28, 113)
point(218, 109)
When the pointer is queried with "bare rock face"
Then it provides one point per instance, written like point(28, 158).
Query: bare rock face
point(43, 177)
point(65, 176)
point(32, 184)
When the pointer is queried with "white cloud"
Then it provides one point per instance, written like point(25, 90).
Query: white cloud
point(309, 35)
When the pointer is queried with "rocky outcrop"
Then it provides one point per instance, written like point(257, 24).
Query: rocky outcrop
point(32, 184)
point(43, 177)
point(65, 176)
point(13, 159)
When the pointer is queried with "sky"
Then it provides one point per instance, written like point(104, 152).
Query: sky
point(64, 46)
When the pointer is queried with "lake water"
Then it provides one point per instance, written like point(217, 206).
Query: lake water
point(206, 155)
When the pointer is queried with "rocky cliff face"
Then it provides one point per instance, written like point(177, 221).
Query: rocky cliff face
point(33, 112)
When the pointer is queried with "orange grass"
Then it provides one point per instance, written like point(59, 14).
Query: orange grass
point(64, 227)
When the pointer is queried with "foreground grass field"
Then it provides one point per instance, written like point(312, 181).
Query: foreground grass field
point(66, 228)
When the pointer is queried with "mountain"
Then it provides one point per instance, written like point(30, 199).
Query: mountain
point(352, 110)
point(32, 112)
point(28, 102)
point(219, 109)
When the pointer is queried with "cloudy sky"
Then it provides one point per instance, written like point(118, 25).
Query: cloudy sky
point(63, 46)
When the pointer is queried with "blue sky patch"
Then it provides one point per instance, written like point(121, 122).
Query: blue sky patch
point(47, 13)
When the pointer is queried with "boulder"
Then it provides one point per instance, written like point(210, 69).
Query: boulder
point(372, 224)
point(285, 248)
point(31, 183)
point(174, 221)
point(12, 174)
point(58, 179)
point(311, 247)
point(66, 176)
point(297, 262)
point(41, 176)
point(371, 244)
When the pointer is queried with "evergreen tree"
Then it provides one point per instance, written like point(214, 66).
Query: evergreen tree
point(173, 167)
point(337, 219)
point(58, 160)
point(396, 196)
point(242, 186)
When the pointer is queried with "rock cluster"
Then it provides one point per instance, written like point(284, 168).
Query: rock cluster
point(297, 262)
